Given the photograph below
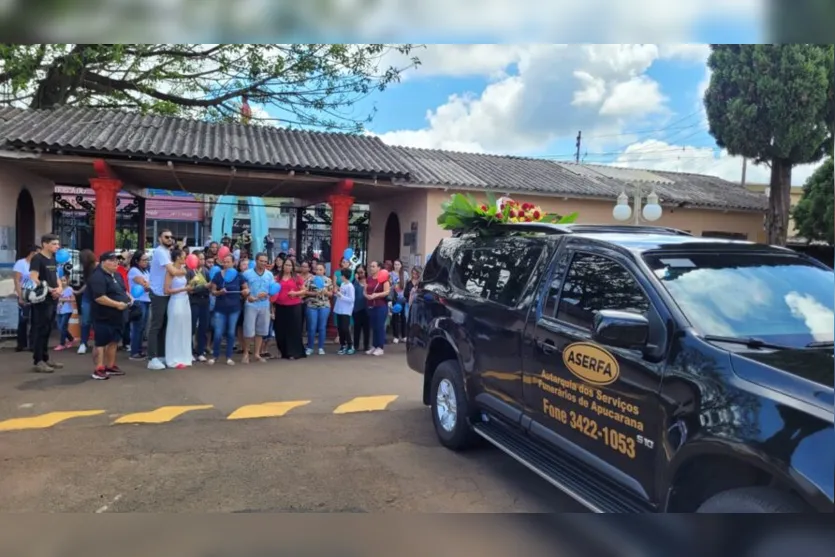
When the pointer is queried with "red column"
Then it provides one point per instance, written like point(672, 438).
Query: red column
point(341, 206)
point(104, 233)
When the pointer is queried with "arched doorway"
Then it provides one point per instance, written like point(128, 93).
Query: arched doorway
point(391, 245)
point(24, 223)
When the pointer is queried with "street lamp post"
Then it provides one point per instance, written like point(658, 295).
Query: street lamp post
point(651, 211)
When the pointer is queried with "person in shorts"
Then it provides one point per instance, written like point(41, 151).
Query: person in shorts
point(257, 307)
point(110, 303)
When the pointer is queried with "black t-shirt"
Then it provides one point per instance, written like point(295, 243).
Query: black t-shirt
point(102, 283)
point(47, 269)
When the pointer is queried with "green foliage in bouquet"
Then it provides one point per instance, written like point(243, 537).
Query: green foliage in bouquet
point(464, 213)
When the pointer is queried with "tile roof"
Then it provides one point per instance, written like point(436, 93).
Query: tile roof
point(434, 167)
point(131, 133)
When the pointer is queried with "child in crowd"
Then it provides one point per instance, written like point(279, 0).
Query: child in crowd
point(344, 308)
point(63, 315)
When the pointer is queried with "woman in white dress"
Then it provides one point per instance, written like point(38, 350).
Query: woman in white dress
point(178, 349)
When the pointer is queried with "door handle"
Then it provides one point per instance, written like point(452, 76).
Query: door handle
point(548, 346)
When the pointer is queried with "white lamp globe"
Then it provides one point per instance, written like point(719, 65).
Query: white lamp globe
point(652, 210)
point(622, 211)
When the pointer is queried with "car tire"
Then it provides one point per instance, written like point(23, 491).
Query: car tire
point(753, 500)
point(451, 411)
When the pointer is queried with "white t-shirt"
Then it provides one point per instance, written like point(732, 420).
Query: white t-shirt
point(22, 266)
point(161, 259)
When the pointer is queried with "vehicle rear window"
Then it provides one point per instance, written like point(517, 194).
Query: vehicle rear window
point(779, 298)
point(498, 272)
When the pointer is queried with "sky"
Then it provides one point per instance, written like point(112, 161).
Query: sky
point(637, 105)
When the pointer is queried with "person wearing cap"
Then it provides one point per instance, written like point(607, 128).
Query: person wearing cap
point(110, 301)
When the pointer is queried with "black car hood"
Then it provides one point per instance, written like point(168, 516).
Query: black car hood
point(805, 374)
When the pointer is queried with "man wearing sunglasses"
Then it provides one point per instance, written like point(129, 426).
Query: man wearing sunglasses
point(160, 266)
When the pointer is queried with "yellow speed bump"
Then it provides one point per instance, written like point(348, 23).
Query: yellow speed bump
point(266, 410)
point(160, 415)
point(365, 404)
point(45, 420)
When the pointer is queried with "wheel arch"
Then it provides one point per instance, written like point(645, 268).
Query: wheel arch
point(440, 349)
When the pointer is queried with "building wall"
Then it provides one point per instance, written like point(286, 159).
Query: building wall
point(12, 181)
point(424, 206)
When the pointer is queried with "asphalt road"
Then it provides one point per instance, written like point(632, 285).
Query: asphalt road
point(377, 453)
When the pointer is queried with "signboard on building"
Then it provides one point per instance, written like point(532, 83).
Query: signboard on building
point(159, 204)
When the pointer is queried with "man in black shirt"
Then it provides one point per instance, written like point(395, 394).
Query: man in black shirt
point(44, 269)
point(110, 302)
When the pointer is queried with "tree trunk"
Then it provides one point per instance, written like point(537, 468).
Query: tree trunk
point(779, 202)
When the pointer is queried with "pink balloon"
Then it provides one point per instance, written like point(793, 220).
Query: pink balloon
point(192, 261)
point(222, 252)
point(382, 276)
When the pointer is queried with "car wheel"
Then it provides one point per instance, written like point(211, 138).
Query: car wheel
point(752, 500)
point(450, 407)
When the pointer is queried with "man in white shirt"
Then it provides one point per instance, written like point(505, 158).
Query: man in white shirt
point(160, 266)
point(21, 273)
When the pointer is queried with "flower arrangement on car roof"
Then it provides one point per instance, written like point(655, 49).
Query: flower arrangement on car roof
point(464, 213)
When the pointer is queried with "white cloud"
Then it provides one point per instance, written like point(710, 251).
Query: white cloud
point(659, 155)
point(548, 91)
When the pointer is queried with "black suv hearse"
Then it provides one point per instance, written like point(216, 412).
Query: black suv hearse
point(638, 369)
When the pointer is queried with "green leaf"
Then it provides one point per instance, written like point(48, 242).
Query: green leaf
point(491, 199)
point(568, 219)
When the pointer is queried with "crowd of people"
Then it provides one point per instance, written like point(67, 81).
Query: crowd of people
point(175, 308)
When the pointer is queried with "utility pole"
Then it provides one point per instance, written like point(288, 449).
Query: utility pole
point(579, 139)
point(744, 170)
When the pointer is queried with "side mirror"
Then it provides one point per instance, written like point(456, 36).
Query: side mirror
point(620, 329)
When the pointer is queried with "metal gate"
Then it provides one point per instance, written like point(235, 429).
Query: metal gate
point(313, 238)
point(73, 220)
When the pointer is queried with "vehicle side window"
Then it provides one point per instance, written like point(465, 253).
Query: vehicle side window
point(594, 283)
point(496, 273)
point(552, 294)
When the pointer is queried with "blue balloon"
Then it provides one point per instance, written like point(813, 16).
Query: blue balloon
point(318, 281)
point(230, 275)
point(62, 256)
point(396, 308)
point(137, 291)
point(251, 264)
point(275, 288)
point(214, 271)
point(285, 245)
point(348, 254)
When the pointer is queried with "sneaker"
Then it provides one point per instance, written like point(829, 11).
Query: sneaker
point(137, 357)
point(341, 352)
point(321, 351)
point(396, 340)
point(60, 347)
point(308, 351)
point(211, 361)
point(43, 367)
point(201, 358)
point(55, 365)
point(378, 352)
point(100, 374)
point(370, 351)
point(230, 362)
point(350, 352)
point(156, 363)
point(114, 370)
point(82, 349)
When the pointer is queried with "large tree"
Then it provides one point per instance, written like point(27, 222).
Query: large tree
point(773, 104)
point(814, 215)
point(311, 84)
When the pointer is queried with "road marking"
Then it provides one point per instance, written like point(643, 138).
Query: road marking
point(365, 404)
point(103, 508)
point(160, 415)
point(45, 420)
point(265, 410)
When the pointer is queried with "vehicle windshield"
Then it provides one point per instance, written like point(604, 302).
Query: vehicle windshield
point(776, 298)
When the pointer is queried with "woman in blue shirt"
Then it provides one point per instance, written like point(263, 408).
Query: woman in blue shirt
point(229, 295)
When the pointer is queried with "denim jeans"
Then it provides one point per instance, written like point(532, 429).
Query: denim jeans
point(377, 316)
point(317, 322)
point(86, 320)
point(137, 328)
point(63, 324)
point(225, 326)
point(200, 326)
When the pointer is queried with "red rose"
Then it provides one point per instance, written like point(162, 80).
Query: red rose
point(484, 208)
point(537, 215)
point(528, 219)
point(511, 213)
